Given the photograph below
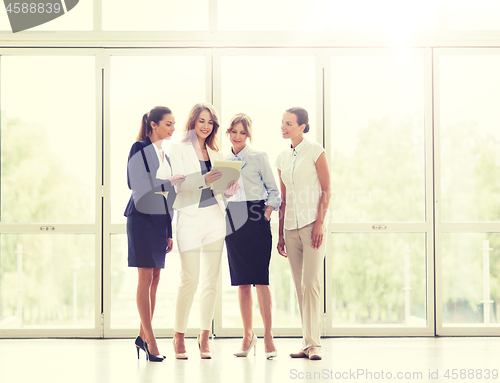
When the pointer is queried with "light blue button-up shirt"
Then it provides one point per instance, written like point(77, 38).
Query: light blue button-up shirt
point(256, 178)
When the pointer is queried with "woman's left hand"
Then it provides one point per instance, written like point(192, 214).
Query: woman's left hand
point(170, 245)
point(232, 189)
point(317, 235)
point(176, 179)
point(267, 214)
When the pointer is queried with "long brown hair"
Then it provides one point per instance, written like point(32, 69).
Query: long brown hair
point(211, 140)
point(156, 114)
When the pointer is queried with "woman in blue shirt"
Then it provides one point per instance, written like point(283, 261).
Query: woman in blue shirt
point(248, 221)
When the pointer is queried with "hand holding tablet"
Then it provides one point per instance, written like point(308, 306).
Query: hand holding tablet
point(230, 175)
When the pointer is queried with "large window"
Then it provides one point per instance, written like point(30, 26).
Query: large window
point(467, 198)
point(48, 142)
point(379, 279)
point(377, 138)
point(50, 215)
point(137, 82)
point(263, 85)
point(381, 203)
point(471, 284)
point(136, 85)
point(413, 146)
point(469, 137)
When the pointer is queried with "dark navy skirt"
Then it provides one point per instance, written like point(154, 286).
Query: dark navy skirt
point(248, 243)
point(147, 239)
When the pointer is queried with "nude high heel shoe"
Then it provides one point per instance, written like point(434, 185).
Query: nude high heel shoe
point(253, 344)
point(203, 355)
point(272, 354)
point(180, 355)
point(314, 354)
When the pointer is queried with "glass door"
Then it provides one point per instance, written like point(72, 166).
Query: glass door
point(50, 207)
point(135, 82)
point(467, 136)
point(263, 83)
point(379, 269)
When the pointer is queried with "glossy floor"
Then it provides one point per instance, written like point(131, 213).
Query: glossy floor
point(344, 359)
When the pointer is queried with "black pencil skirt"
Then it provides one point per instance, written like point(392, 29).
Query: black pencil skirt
point(249, 244)
point(147, 239)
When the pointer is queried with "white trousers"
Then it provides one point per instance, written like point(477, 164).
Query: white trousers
point(306, 264)
point(200, 239)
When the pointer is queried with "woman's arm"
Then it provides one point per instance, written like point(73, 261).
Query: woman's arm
point(170, 241)
point(194, 180)
point(324, 181)
point(273, 194)
point(138, 177)
point(269, 210)
point(281, 238)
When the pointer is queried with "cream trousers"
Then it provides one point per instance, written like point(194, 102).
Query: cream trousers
point(200, 239)
point(306, 264)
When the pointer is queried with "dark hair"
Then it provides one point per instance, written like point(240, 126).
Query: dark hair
point(156, 114)
point(302, 116)
point(211, 140)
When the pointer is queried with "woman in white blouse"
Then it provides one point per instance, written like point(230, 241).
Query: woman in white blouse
point(201, 225)
point(249, 241)
point(305, 193)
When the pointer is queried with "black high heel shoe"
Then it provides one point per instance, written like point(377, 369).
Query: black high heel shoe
point(139, 344)
point(150, 357)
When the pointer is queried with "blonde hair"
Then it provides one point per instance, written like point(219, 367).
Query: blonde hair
point(211, 140)
point(245, 120)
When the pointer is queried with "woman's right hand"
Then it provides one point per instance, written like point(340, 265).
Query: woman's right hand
point(177, 178)
point(212, 176)
point(281, 246)
point(232, 189)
